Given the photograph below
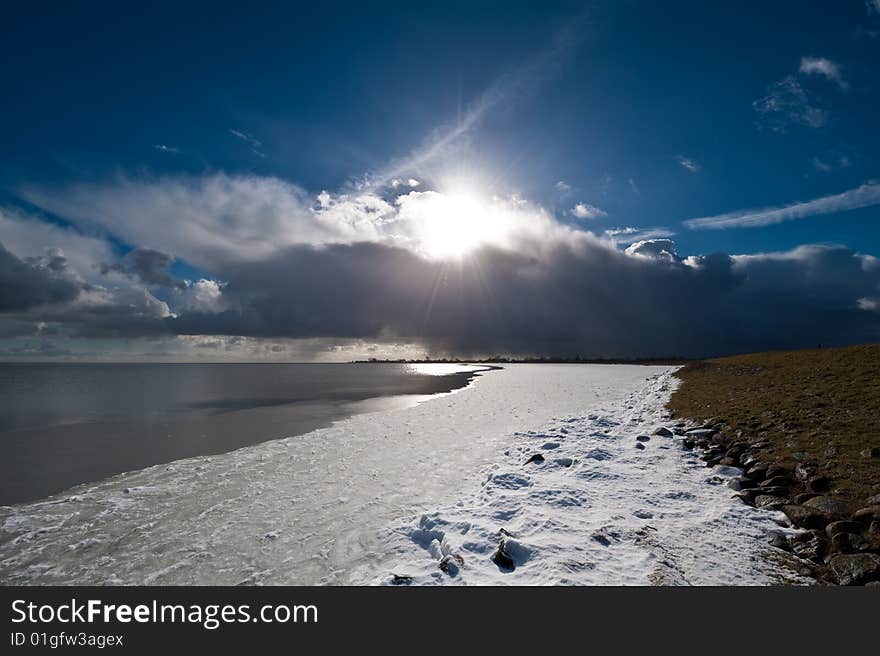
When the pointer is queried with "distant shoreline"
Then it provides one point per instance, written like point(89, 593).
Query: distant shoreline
point(674, 361)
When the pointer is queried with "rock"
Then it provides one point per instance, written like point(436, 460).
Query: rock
point(776, 481)
point(601, 538)
point(848, 543)
point(842, 526)
point(688, 443)
point(535, 457)
point(805, 517)
point(776, 490)
point(779, 541)
point(777, 470)
point(873, 501)
point(502, 559)
point(769, 501)
point(805, 470)
point(126, 490)
point(829, 506)
point(665, 432)
point(400, 579)
point(643, 438)
point(854, 569)
point(758, 471)
point(800, 498)
point(451, 564)
point(868, 514)
point(818, 484)
point(727, 461)
point(699, 433)
point(832, 452)
point(873, 452)
point(639, 445)
point(808, 545)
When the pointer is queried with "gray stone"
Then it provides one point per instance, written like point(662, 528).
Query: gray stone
point(854, 569)
point(640, 446)
point(769, 501)
point(805, 470)
point(776, 481)
point(805, 517)
point(873, 452)
point(535, 457)
point(828, 505)
point(643, 438)
point(868, 514)
point(502, 559)
point(699, 433)
point(842, 526)
point(808, 545)
point(663, 431)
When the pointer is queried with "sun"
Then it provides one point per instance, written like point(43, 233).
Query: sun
point(455, 223)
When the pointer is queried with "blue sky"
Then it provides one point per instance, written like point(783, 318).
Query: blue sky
point(611, 117)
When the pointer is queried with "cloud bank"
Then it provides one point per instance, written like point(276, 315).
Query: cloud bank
point(334, 269)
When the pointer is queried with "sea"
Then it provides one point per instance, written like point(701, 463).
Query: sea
point(66, 424)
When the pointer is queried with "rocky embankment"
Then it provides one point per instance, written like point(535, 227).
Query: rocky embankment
point(840, 541)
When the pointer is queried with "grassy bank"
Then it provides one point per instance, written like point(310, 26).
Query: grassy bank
point(821, 406)
point(804, 426)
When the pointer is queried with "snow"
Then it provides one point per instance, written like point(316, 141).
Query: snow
point(421, 491)
point(604, 513)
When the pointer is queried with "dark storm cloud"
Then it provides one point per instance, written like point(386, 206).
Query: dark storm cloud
point(574, 298)
point(147, 265)
point(32, 282)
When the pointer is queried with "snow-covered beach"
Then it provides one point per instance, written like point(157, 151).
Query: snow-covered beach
point(408, 489)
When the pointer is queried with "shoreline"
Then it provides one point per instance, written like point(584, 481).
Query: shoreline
point(602, 497)
point(296, 511)
point(44, 461)
point(757, 413)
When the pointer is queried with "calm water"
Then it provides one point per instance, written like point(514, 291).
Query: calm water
point(66, 424)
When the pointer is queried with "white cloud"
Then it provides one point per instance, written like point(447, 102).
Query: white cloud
point(873, 6)
point(688, 164)
point(632, 234)
point(587, 211)
point(173, 150)
point(787, 103)
point(562, 187)
point(869, 304)
point(866, 195)
point(823, 67)
point(204, 296)
point(654, 249)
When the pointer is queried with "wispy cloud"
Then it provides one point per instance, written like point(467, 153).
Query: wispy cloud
point(873, 6)
point(866, 195)
point(172, 150)
point(255, 144)
point(688, 163)
point(823, 67)
point(562, 187)
point(631, 234)
point(587, 211)
point(787, 103)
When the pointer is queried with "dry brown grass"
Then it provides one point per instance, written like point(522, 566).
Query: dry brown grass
point(818, 405)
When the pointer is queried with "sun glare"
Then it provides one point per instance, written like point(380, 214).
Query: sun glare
point(454, 224)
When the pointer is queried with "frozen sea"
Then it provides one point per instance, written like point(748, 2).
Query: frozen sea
point(406, 489)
